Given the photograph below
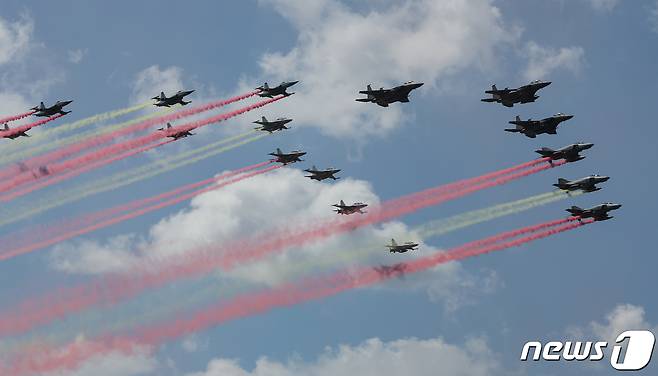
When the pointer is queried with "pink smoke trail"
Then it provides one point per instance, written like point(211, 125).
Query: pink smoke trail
point(16, 117)
point(198, 262)
point(27, 127)
point(288, 294)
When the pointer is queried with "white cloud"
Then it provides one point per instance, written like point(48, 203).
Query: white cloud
point(603, 5)
point(432, 357)
point(152, 80)
point(340, 50)
point(76, 56)
point(542, 61)
point(622, 317)
point(15, 38)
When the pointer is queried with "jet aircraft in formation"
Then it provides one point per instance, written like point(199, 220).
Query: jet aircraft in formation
point(320, 175)
point(287, 158)
point(342, 208)
point(6, 133)
point(273, 125)
point(392, 270)
point(268, 92)
point(598, 212)
point(57, 108)
point(384, 97)
point(531, 128)
point(570, 153)
point(394, 247)
point(586, 184)
point(163, 101)
point(175, 134)
point(508, 97)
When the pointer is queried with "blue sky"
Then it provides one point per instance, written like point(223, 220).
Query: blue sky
point(599, 55)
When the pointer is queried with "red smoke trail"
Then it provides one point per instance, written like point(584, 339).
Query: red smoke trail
point(250, 304)
point(113, 289)
point(16, 117)
point(104, 218)
point(127, 145)
point(143, 125)
point(27, 127)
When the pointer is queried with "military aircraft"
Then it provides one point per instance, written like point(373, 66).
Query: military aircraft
point(401, 248)
point(287, 158)
point(320, 175)
point(7, 133)
point(392, 270)
point(272, 126)
point(175, 134)
point(587, 184)
point(570, 153)
point(342, 208)
point(532, 128)
point(163, 101)
point(57, 108)
point(384, 97)
point(598, 212)
point(508, 97)
point(269, 92)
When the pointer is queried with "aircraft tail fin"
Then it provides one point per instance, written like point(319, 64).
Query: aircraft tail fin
point(266, 86)
point(394, 243)
point(6, 127)
point(168, 125)
point(342, 203)
point(263, 119)
point(42, 106)
point(278, 151)
point(494, 88)
point(162, 95)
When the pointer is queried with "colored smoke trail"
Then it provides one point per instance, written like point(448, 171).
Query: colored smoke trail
point(208, 259)
point(130, 144)
point(145, 310)
point(133, 128)
point(123, 178)
point(21, 150)
point(27, 127)
point(7, 119)
point(63, 230)
point(289, 294)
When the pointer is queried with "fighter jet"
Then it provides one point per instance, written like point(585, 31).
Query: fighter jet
point(272, 126)
point(342, 208)
point(587, 184)
point(396, 270)
point(7, 133)
point(287, 158)
point(401, 248)
point(384, 97)
point(320, 175)
point(598, 212)
point(531, 128)
point(163, 101)
point(508, 97)
point(175, 134)
point(57, 108)
point(570, 153)
point(269, 92)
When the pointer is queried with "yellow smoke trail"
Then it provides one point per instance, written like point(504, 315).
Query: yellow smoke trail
point(124, 178)
point(203, 290)
point(27, 148)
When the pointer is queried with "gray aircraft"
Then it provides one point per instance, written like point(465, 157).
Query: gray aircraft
point(320, 175)
point(396, 270)
point(570, 153)
point(175, 134)
point(7, 133)
point(57, 108)
point(269, 92)
point(532, 128)
point(598, 212)
point(394, 247)
point(586, 184)
point(287, 158)
point(272, 126)
point(163, 101)
point(384, 97)
point(342, 208)
point(508, 97)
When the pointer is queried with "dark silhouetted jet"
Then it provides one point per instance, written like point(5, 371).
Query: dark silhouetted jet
point(531, 128)
point(570, 153)
point(8, 133)
point(272, 126)
point(387, 271)
point(57, 108)
point(342, 208)
point(598, 212)
point(384, 97)
point(508, 97)
point(320, 175)
point(401, 248)
point(269, 92)
point(287, 158)
point(175, 134)
point(163, 101)
point(586, 184)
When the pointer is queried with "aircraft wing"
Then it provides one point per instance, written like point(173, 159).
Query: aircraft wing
point(373, 92)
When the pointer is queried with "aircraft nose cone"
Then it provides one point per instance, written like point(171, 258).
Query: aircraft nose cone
point(544, 84)
point(615, 206)
point(586, 145)
point(66, 103)
point(604, 178)
point(567, 117)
